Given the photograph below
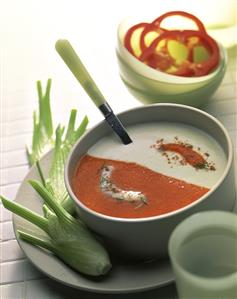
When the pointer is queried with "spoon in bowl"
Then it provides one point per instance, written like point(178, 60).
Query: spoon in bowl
point(72, 60)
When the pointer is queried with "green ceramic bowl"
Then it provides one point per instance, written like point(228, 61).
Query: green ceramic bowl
point(146, 91)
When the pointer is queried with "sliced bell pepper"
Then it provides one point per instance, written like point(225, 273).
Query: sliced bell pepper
point(188, 67)
point(128, 37)
point(148, 29)
point(200, 26)
point(155, 52)
point(156, 25)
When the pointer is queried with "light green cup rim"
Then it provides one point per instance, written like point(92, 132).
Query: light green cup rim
point(207, 219)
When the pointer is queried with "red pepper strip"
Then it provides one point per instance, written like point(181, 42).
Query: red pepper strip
point(149, 28)
point(204, 67)
point(199, 24)
point(155, 25)
point(197, 69)
point(190, 54)
point(128, 36)
point(191, 157)
point(169, 35)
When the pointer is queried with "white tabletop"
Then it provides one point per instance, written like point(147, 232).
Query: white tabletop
point(28, 33)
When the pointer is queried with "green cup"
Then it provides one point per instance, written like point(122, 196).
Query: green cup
point(203, 253)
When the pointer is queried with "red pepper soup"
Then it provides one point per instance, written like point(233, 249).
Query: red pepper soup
point(129, 190)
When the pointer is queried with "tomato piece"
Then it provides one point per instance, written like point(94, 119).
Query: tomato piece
point(183, 70)
point(128, 37)
point(161, 61)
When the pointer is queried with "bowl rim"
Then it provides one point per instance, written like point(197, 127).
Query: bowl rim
point(221, 73)
point(162, 216)
point(167, 78)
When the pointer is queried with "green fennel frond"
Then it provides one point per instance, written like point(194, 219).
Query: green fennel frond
point(45, 139)
point(42, 139)
point(66, 236)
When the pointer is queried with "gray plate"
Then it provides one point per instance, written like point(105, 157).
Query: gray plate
point(123, 278)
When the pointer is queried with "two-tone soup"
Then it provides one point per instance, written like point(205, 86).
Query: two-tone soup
point(168, 166)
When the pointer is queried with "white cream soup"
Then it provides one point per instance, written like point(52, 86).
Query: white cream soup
point(142, 152)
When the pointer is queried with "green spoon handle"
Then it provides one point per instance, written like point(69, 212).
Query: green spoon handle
point(74, 63)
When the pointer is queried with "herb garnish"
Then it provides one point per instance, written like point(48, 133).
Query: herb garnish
point(109, 188)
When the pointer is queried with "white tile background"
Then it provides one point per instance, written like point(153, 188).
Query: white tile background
point(28, 34)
